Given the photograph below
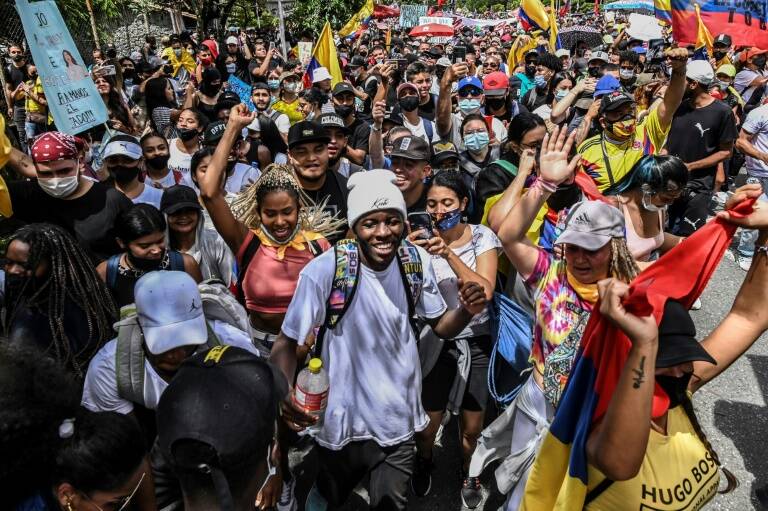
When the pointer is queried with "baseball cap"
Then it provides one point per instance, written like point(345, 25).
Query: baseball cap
point(700, 71)
point(614, 100)
point(332, 120)
point(288, 74)
point(562, 52)
point(443, 62)
point(213, 133)
point(592, 224)
point(178, 197)
point(231, 40)
point(601, 56)
point(123, 145)
point(677, 338)
point(723, 39)
point(342, 88)
point(606, 85)
point(227, 99)
point(470, 81)
point(356, 61)
point(444, 151)
point(170, 311)
point(411, 148)
point(406, 85)
point(495, 84)
point(320, 74)
point(726, 69)
point(749, 53)
point(306, 131)
point(226, 399)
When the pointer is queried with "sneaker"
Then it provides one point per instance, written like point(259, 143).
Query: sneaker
point(287, 501)
point(471, 492)
point(421, 480)
point(696, 305)
point(744, 262)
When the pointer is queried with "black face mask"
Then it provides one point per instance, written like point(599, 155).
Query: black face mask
point(564, 197)
point(719, 54)
point(14, 284)
point(408, 104)
point(158, 162)
point(495, 103)
point(530, 69)
point(594, 72)
point(143, 264)
point(123, 174)
point(675, 387)
point(18, 58)
point(344, 110)
point(209, 89)
point(187, 134)
point(759, 62)
point(129, 73)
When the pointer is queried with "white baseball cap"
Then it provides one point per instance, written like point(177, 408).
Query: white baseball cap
point(320, 74)
point(700, 71)
point(231, 40)
point(170, 311)
point(562, 52)
point(122, 147)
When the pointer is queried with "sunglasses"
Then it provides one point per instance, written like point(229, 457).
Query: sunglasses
point(464, 93)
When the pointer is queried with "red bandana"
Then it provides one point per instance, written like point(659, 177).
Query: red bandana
point(54, 146)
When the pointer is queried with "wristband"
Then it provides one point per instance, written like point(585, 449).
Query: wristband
point(375, 128)
point(544, 185)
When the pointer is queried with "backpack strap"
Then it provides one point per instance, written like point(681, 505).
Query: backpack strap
point(428, 129)
point(506, 165)
point(130, 359)
point(315, 248)
point(597, 490)
point(113, 264)
point(175, 260)
point(412, 273)
point(247, 250)
point(213, 339)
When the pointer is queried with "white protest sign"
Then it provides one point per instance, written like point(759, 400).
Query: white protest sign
point(644, 27)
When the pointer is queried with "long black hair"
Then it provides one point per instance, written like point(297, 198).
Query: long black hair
point(154, 94)
point(520, 124)
point(140, 220)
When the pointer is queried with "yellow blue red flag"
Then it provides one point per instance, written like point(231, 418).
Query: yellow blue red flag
point(522, 45)
point(359, 18)
point(324, 55)
point(533, 15)
point(740, 20)
point(703, 48)
point(663, 10)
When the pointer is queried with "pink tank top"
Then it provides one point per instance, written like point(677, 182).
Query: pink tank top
point(642, 248)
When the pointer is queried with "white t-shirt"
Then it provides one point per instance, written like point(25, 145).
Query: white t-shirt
point(243, 175)
point(483, 240)
point(418, 130)
point(371, 356)
point(743, 79)
point(100, 389)
point(756, 124)
point(179, 160)
point(499, 131)
point(166, 182)
point(150, 195)
point(544, 111)
point(282, 121)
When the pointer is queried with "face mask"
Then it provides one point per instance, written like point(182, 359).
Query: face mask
point(59, 187)
point(124, 174)
point(476, 142)
point(291, 87)
point(409, 104)
point(622, 129)
point(310, 116)
point(158, 162)
point(344, 110)
point(18, 58)
point(143, 264)
point(447, 220)
point(530, 70)
point(355, 73)
point(231, 68)
point(626, 74)
point(564, 197)
point(273, 84)
point(469, 106)
point(719, 54)
point(206, 61)
point(177, 52)
point(209, 89)
point(722, 84)
point(759, 62)
point(540, 81)
point(594, 72)
point(495, 103)
point(650, 206)
point(187, 134)
point(675, 387)
point(561, 94)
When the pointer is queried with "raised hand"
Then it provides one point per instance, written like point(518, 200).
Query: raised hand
point(553, 160)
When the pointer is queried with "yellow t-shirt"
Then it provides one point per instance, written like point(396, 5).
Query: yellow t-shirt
point(649, 139)
point(289, 109)
point(30, 104)
point(678, 474)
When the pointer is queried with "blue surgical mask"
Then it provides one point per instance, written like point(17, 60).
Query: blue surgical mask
point(447, 220)
point(273, 84)
point(476, 142)
point(469, 106)
point(541, 82)
point(561, 94)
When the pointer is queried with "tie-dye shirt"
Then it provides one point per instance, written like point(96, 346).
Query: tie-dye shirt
point(558, 308)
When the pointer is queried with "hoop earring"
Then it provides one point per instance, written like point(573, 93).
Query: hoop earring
point(68, 505)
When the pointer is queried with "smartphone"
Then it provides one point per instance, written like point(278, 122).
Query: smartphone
point(271, 47)
point(459, 54)
point(422, 220)
point(106, 71)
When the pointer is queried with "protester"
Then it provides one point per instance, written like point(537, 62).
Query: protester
point(122, 159)
point(16, 75)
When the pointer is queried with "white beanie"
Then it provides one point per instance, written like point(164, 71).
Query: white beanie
point(373, 191)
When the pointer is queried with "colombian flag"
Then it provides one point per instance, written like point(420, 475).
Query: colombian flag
point(324, 55)
point(533, 16)
point(663, 10)
point(521, 46)
point(742, 22)
point(558, 480)
point(703, 48)
point(360, 18)
point(554, 39)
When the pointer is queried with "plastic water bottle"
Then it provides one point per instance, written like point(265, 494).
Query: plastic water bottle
point(311, 392)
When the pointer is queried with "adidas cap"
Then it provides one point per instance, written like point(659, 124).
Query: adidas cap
point(592, 224)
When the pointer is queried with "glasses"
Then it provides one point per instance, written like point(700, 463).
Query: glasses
point(492, 65)
point(464, 93)
point(124, 501)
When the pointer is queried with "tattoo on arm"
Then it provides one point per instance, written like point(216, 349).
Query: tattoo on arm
point(639, 374)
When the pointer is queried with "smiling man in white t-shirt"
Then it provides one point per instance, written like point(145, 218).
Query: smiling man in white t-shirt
point(374, 402)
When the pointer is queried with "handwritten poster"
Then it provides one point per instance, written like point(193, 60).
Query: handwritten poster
point(242, 89)
point(72, 97)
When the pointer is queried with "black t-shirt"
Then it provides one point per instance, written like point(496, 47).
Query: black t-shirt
point(420, 205)
point(697, 133)
point(241, 63)
point(427, 110)
point(532, 102)
point(359, 133)
point(370, 87)
point(335, 189)
point(91, 218)
point(14, 76)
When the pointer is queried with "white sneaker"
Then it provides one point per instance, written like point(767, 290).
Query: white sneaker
point(696, 305)
point(287, 501)
point(744, 262)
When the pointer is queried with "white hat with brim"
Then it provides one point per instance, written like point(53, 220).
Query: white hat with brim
point(320, 74)
point(591, 225)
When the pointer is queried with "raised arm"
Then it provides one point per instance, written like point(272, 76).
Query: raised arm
point(375, 139)
point(443, 116)
point(674, 93)
point(560, 110)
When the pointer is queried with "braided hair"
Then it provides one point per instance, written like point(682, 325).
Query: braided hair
point(276, 178)
point(622, 265)
point(69, 277)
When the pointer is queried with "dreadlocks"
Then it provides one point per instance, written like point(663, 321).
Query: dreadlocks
point(69, 277)
point(622, 265)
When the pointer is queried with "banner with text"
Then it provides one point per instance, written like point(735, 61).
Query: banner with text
point(242, 89)
point(72, 97)
point(744, 21)
point(410, 14)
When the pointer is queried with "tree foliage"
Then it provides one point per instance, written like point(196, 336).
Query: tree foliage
point(309, 16)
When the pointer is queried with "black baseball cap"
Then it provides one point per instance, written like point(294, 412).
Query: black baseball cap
point(343, 87)
point(213, 133)
point(411, 148)
point(614, 100)
point(227, 99)
point(356, 61)
point(677, 338)
point(444, 151)
point(723, 39)
point(178, 197)
point(332, 120)
point(307, 131)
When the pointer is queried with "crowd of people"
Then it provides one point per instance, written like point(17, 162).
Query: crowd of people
point(168, 274)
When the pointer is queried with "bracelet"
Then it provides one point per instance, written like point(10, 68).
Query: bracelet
point(544, 185)
point(763, 249)
point(375, 128)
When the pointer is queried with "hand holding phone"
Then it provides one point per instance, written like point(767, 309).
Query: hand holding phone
point(421, 221)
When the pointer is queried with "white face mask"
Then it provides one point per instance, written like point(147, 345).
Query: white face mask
point(59, 187)
point(650, 206)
